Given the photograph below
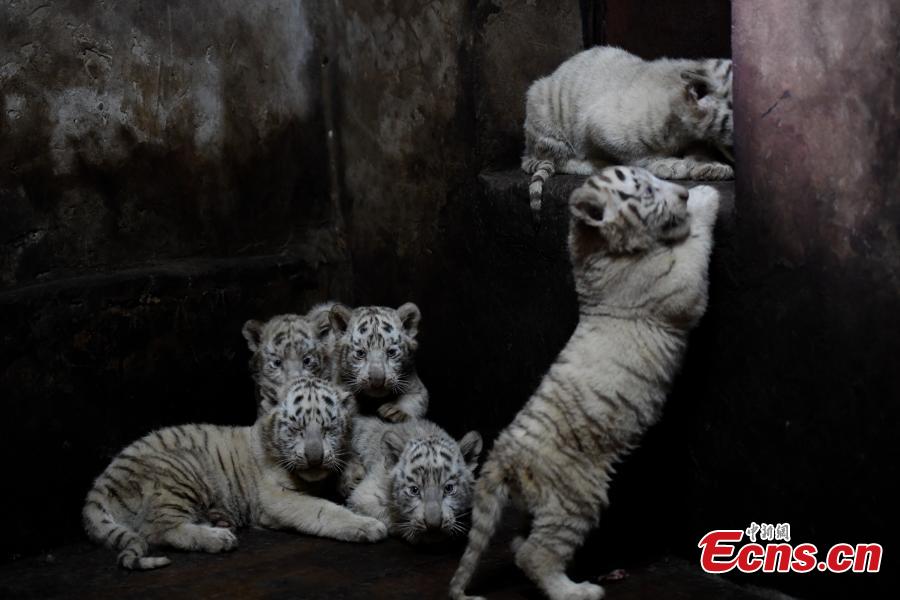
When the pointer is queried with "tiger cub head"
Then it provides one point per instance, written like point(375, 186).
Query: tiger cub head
point(626, 210)
point(306, 431)
point(284, 348)
point(375, 347)
point(431, 480)
point(707, 94)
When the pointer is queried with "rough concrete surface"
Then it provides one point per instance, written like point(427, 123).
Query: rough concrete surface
point(275, 565)
point(140, 131)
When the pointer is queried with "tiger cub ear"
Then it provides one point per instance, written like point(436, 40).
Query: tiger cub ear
point(696, 85)
point(252, 332)
point(470, 446)
point(598, 209)
point(321, 322)
point(339, 317)
point(392, 446)
point(593, 205)
point(409, 317)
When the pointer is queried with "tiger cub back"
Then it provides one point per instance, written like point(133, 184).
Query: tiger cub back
point(412, 476)
point(640, 250)
point(606, 106)
point(161, 489)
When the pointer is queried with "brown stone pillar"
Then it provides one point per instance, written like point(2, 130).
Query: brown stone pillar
point(800, 416)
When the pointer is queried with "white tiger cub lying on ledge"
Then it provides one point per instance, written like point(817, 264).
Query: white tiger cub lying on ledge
point(415, 478)
point(161, 489)
point(605, 106)
point(640, 252)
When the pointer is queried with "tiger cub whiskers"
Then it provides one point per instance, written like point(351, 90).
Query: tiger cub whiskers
point(640, 250)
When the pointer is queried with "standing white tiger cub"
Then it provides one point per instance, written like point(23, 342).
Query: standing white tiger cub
point(640, 251)
point(162, 489)
point(606, 106)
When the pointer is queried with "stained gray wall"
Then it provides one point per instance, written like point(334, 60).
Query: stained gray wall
point(146, 131)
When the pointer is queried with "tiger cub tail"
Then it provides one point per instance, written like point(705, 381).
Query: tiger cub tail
point(103, 528)
point(541, 171)
point(491, 495)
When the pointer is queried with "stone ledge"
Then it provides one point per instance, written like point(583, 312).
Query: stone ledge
point(513, 185)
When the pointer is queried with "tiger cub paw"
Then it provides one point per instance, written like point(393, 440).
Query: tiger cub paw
point(366, 529)
point(703, 203)
point(352, 477)
point(713, 171)
point(219, 518)
point(217, 539)
point(390, 412)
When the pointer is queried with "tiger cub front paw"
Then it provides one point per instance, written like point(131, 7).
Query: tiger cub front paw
point(365, 529)
point(390, 412)
point(351, 477)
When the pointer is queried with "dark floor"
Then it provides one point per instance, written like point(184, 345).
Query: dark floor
point(282, 565)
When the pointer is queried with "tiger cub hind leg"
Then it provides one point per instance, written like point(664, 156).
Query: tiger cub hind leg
point(543, 555)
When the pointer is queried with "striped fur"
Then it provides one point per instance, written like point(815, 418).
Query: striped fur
point(374, 357)
point(605, 106)
point(412, 476)
point(284, 348)
point(160, 490)
point(640, 250)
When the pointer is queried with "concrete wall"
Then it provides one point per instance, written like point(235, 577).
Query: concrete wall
point(673, 28)
point(164, 175)
point(136, 132)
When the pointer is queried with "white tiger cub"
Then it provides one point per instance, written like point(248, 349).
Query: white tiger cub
point(374, 352)
point(416, 479)
point(161, 489)
point(284, 348)
point(640, 250)
point(606, 106)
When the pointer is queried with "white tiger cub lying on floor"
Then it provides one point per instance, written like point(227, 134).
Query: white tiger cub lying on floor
point(161, 489)
point(640, 251)
point(605, 106)
point(374, 356)
point(411, 476)
point(284, 348)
